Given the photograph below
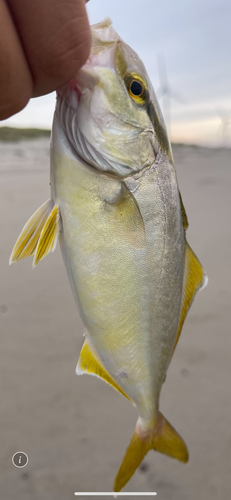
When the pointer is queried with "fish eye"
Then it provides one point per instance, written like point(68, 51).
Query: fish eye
point(137, 88)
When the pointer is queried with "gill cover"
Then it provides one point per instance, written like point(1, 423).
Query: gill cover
point(109, 112)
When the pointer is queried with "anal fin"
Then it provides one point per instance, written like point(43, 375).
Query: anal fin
point(91, 364)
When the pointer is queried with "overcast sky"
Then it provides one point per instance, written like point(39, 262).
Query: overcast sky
point(192, 38)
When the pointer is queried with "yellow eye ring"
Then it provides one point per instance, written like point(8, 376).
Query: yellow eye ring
point(137, 88)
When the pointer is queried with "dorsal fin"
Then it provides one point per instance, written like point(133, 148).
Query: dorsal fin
point(48, 237)
point(39, 235)
point(194, 280)
point(90, 363)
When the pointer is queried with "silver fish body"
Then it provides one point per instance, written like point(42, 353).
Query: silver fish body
point(116, 206)
point(129, 296)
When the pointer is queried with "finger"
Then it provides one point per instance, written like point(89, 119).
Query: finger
point(56, 38)
point(15, 78)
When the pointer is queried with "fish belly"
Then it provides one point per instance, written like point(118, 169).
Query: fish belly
point(125, 263)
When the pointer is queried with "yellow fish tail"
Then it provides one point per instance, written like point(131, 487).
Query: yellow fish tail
point(162, 437)
point(39, 235)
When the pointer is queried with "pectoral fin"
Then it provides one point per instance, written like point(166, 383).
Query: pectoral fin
point(91, 364)
point(194, 280)
point(128, 214)
point(122, 213)
point(39, 235)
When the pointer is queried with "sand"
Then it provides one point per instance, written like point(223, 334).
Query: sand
point(75, 429)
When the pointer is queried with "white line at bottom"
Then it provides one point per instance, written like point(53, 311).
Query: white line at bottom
point(114, 494)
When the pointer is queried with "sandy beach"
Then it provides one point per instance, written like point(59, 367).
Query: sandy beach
point(75, 430)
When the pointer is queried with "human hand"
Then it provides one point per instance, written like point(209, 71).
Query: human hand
point(43, 43)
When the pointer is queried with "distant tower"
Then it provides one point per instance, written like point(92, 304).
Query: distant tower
point(166, 93)
point(225, 118)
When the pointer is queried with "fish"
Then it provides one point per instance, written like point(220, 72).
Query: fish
point(117, 211)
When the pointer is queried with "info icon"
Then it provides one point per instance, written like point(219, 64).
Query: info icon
point(20, 459)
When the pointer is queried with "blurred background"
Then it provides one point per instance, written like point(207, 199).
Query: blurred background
point(75, 429)
point(185, 46)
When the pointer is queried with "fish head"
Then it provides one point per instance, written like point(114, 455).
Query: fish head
point(109, 111)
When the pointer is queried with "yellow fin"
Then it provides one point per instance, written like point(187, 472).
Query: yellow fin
point(29, 236)
point(194, 280)
point(162, 437)
point(49, 235)
point(39, 235)
point(90, 363)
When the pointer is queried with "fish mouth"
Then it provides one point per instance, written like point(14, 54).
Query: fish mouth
point(84, 81)
point(103, 36)
point(86, 78)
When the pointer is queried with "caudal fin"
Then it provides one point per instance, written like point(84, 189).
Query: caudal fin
point(163, 438)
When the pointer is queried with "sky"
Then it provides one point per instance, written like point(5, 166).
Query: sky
point(188, 43)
